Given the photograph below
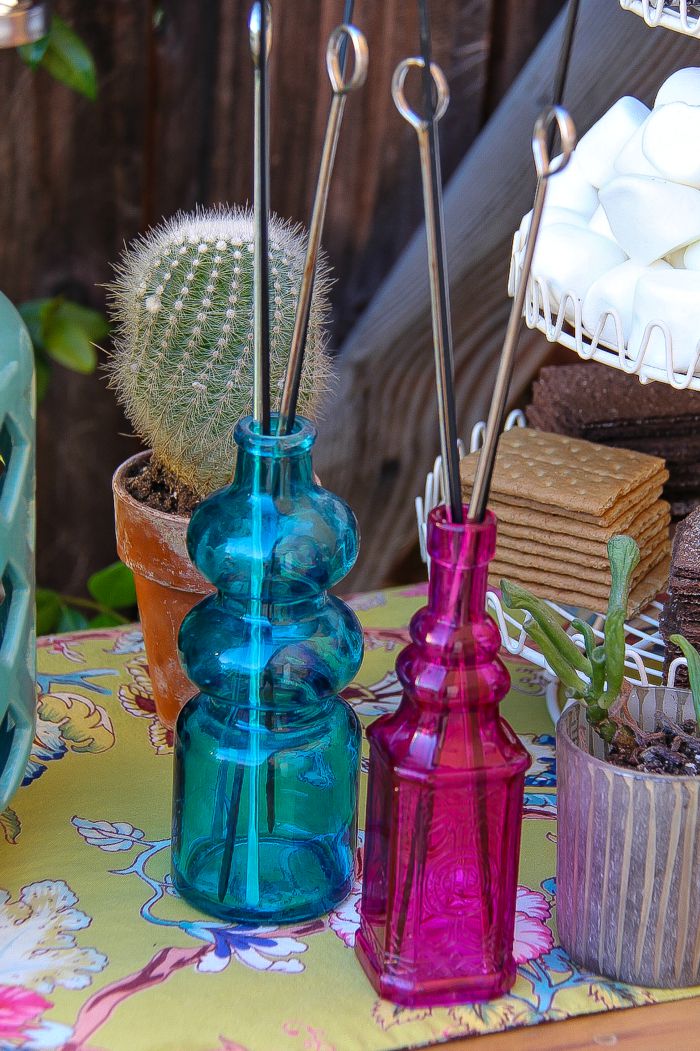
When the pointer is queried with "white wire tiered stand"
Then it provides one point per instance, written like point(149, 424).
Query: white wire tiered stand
point(644, 647)
point(564, 325)
point(681, 17)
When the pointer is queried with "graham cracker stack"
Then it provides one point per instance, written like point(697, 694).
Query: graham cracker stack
point(558, 501)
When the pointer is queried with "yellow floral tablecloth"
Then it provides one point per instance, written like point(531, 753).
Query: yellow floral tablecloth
point(97, 953)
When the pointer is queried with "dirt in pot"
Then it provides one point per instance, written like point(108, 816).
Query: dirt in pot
point(152, 484)
point(671, 748)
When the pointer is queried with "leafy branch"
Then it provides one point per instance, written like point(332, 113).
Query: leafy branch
point(112, 601)
point(65, 57)
point(62, 332)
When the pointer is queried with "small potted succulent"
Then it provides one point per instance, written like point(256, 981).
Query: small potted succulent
point(628, 799)
point(182, 304)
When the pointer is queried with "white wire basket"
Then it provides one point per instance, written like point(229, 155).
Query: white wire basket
point(565, 326)
point(681, 17)
point(644, 649)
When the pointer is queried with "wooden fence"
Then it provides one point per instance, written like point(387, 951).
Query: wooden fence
point(172, 128)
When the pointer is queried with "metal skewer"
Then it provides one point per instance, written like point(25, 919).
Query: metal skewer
point(259, 26)
point(260, 29)
point(545, 168)
point(341, 89)
point(426, 130)
point(564, 57)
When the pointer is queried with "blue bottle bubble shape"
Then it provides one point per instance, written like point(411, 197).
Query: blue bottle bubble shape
point(268, 746)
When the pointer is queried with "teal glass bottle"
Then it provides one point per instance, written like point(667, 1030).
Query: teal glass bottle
point(17, 543)
point(267, 754)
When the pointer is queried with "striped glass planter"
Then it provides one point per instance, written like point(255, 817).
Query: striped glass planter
point(628, 855)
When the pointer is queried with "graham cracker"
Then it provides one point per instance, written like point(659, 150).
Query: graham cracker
point(549, 554)
point(642, 593)
point(517, 538)
point(542, 470)
point(552, 522)
point(643, 496)
point(649, 519)
point(563, 575)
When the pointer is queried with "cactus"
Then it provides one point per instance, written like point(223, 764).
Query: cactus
point(182, 366)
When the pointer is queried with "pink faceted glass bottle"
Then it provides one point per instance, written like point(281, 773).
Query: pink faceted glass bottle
point(445, 796)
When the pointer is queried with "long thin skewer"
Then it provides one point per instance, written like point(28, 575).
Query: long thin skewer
point(341, 88)
point(564, 57)
point(546, 168)
point(260, 31)
point(259, 25)
point(426, 130)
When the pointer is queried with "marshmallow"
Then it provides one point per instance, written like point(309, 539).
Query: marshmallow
point(571, 189)
point(614, 290)
point(599, 224)
point(672, 296)
point(651, 217)
point(556, 216)
point(570, 259)
point(681, 86)
point(631, 160)
point(691, 256)
point(598, 149)
point(671, 142)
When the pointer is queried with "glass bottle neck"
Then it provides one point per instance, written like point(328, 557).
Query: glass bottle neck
point(457, 594)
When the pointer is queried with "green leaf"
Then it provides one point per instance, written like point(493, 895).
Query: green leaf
point(48, 611)
point(68, 344)
point(588, 635)
point(623, 555)
point(113, 586)
point(517, 597)
point(32, 54)
point(92, 322)
point(71, 619)
point(36, 314)
point(66, 58)
point(693, 658)
point(42, 371)
point(106, 620)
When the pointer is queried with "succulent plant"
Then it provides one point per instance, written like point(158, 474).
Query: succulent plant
point(182, 366)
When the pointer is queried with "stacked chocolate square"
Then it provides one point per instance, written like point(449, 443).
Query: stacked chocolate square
point(558, 501)
point(681, 614)
point(604, 405)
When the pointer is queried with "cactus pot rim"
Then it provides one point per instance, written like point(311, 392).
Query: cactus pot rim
point(128, 468)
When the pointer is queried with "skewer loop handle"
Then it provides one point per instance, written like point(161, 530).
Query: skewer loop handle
point(544, 165)
point(397, 91)
point(334, 64)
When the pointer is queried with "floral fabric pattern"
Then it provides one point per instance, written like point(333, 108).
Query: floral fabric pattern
point(96, 945)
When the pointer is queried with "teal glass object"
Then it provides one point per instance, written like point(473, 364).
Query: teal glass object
point(17, 618)
point(267, 754)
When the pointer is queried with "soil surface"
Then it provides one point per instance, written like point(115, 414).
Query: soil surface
point(157, 487)
point(670, 749)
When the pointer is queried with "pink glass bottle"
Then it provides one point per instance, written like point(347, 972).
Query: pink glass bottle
point(445, 796)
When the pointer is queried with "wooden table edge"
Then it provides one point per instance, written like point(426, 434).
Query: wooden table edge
point(648, 1028)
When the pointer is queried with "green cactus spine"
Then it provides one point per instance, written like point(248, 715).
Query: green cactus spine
point(182, 366)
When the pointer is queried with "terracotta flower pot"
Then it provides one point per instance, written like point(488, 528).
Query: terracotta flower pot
point(153, 545)
point(628, 855)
